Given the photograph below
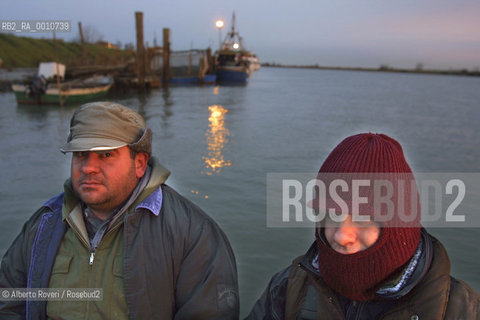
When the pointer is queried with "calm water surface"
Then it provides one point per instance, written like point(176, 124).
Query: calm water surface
point(220, 143)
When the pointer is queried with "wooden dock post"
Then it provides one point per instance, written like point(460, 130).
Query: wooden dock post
point(166, 57)
point(140, 51)
point(209, 61)
point(82, 39)
point(57, 71)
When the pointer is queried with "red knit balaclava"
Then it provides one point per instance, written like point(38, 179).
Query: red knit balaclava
point(358, 276)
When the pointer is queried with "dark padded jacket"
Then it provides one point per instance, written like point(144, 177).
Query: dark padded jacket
point(298, 292)
point(189, 271)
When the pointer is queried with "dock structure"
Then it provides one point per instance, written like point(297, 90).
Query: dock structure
point(159, 66)
point(136, 67)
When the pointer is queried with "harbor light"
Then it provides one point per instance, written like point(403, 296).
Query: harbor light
point(219, 24)
point(236, 46)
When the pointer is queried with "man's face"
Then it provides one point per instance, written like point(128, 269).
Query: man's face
point(104, 180)
point(349, 237)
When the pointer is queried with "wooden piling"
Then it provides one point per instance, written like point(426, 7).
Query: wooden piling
point(166, 57)
point(57, 70)
point(209, 61)
point(140, 51)
point(84, 48)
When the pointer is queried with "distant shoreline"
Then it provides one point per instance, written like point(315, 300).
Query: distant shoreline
point(462, 72)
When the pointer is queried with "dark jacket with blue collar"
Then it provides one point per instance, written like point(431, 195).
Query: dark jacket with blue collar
point(183, 239)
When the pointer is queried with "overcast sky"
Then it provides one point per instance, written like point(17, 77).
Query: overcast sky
point(440, 34)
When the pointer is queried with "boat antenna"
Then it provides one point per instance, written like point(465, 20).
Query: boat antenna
point(233, 22)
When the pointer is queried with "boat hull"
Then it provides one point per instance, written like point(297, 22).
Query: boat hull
point(186, 81)
point(183, 81)
point(209, 79)
point(238, 75)
point(51, 96)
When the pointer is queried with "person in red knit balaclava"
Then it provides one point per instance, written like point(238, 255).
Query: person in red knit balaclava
point(375, 261)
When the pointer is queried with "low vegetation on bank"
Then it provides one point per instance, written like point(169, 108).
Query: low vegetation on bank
point(23, 52)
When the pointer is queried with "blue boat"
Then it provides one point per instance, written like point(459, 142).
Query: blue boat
point(233, 63)
point(232, 74)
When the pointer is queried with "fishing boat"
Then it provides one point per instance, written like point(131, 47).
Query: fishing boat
point(233, 62)
point(42, 90)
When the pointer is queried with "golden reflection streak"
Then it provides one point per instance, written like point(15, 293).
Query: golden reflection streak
point(217, 138)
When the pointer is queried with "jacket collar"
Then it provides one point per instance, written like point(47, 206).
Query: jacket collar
point(430, 296)
point(151, 197)
point(412, 273)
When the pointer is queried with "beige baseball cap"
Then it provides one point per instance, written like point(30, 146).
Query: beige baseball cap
point(101, 126)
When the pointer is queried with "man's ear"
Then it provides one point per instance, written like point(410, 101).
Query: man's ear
point(141, 161)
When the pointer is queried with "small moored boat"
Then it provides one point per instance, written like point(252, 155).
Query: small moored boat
point(41, 91)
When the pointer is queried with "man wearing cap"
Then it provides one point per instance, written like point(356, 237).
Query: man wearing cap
point(118, 227)
point(383, 267)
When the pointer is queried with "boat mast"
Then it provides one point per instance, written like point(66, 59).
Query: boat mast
point(233, 23)
point(233, 37)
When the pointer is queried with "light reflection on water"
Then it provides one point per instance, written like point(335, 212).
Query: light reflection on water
point(217, 137)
